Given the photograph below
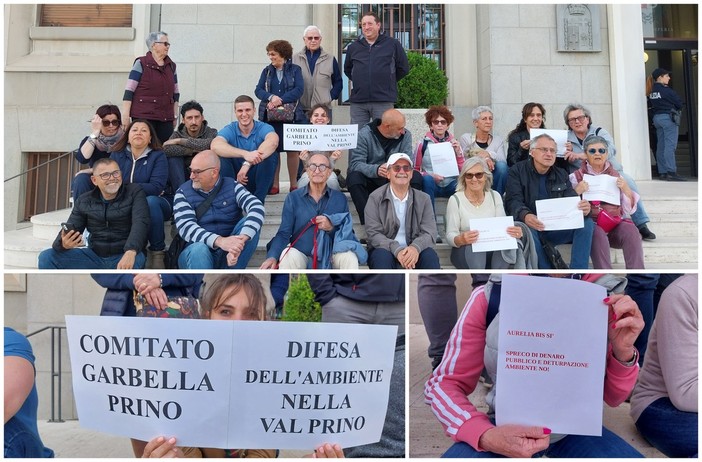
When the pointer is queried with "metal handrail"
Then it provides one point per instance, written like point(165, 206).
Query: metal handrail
point(40, 165)
point(55, 375)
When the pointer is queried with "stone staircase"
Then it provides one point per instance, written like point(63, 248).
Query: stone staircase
point(673, 208)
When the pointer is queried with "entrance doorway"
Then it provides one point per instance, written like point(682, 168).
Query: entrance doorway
point(679, 57)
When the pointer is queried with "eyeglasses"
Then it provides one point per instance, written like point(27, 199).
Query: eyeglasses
point(165, 44)
point(196, 172)
point(593, 151)
point(107, 175)
point(577, 119)
point(439, 122)
point(546, 150)
point(114, 123)
point(314, 167)
point(313, 38)
point(401, 168)
point(477, 176)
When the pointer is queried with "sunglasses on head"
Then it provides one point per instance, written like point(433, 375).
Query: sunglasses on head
point(114, 123)
point(403, 168)
point(478, 176)
point(593, 150)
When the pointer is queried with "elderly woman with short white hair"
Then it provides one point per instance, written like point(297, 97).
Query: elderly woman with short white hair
point(474, 198)
point(152, 91)
point(484, 144)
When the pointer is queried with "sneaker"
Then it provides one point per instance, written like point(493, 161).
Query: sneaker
point(438, 239)
point(646, 234)
point(663, 177)
point(675, 177)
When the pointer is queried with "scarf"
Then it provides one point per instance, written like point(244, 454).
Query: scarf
point(105, 143)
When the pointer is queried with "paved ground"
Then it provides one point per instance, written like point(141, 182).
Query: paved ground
point(426, 436)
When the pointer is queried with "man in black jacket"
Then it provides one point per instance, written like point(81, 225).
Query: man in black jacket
point(537, 178)
point(374, 64)
point(371, 299)
point(117, 217)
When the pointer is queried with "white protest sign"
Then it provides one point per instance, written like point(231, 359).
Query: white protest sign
point(492, 234)
point(602, 188)
point(443, 159)
point(319, 137)
point(559, 136)
point(551, 354)
point(560, 213)
point(218, 383)
point(311, 383)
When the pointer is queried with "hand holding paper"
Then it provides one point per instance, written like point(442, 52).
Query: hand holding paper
point(625, 325)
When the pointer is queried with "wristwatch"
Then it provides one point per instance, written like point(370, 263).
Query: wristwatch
point(92, 136)
point(246, 164)
point(633, 361)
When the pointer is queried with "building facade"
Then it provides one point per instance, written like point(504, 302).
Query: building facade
point(499, 55)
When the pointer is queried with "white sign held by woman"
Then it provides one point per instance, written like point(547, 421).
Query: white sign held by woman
point(224, 384)
point(551, 354)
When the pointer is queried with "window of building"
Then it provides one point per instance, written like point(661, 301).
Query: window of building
point(419, 27)
point(48, 187)
point(85, 15)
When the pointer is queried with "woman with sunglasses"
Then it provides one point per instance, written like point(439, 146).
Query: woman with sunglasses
point(152, 91)
point(612, 230)
point(141, 160)
point(319, 115)
point(438, 118)
point(474, 198)
point(308, 213)
point(105, 130)
point(234, 297)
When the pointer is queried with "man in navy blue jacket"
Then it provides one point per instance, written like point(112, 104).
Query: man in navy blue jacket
point(374, 64)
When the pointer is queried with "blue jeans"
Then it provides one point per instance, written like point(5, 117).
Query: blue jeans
point(384, 259)
point(580, 238)
point(21, 442)
point(499, 176)
point(362, 113)
point(668, 429)
point(198, 255)
point(160, 211)
point(430, 187)
point(260, 175)
point(667, 133)
point(572, 446)
point(83, 258)
point(176, 172)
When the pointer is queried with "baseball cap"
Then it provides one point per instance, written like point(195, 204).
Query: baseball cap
point(659, 72)
point(397, 156)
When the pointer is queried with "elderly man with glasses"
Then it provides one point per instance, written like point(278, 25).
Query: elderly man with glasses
point(221, 231)
point(315, 218)
point(400, 222)
point(320, 71)
point(537, 178)
point(117, 217)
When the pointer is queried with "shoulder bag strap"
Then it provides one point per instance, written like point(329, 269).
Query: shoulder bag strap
point(202, 208)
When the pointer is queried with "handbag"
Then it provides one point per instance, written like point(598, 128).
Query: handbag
point(284, 113)
point(184, 306)
point(606, 220)
point(553, 255)
point(178, 244)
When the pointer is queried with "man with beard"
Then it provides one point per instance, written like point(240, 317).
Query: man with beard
point(193, 136)
point(117, 218)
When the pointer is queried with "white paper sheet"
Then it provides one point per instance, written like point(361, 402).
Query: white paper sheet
point(443, 159)
point(224, 384)
point(319, 137)
point(493, 234)
point(602, 188)
point(559, 136)
point(552, 351)
point(560, 213)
